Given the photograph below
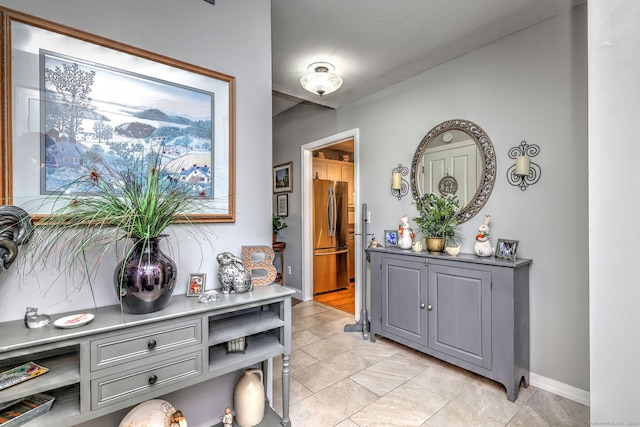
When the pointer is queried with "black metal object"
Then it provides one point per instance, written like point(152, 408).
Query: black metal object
point(524, 181)
point(404, 189)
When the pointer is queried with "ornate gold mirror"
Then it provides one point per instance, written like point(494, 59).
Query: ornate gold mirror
point(455, 157)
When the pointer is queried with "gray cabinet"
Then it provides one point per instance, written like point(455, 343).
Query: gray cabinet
point(119, 360)
point(467, 310)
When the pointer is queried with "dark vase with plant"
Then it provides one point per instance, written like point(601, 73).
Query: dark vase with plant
point(438, 221)
point(278, 224)
point(126, 205)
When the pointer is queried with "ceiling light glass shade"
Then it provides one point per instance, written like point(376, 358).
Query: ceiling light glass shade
point(321, 81)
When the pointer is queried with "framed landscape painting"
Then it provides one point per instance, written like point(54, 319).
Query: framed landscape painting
point(74, 99)
point(282, 178)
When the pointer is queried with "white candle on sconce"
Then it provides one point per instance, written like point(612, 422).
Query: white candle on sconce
point(522, 165)
point(396, 182)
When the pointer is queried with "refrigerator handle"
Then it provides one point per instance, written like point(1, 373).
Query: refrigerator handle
point(330, 211)
point(335, 211)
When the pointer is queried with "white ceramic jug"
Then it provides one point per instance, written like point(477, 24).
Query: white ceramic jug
point(249, 399)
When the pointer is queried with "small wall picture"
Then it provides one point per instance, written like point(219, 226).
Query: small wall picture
point(197, 283)
point(282, 178)
point(283, 204)
point(390, 238)
point(507, 249)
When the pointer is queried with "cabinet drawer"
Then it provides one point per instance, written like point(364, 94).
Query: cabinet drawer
point(143, 343)
point(130, 385)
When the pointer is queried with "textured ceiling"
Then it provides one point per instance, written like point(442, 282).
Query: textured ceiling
point(375, 43)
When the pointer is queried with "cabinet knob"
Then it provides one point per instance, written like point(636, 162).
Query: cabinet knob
point(151, 344)
point(421, 305)
point(153, 379)
point(429, 307)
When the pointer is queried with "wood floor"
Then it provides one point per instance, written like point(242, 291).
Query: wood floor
point(343, 299)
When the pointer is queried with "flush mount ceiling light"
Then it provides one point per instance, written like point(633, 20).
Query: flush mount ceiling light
point(321, 81)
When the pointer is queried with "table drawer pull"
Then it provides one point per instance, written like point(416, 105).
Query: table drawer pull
point(151, 344)
point(153, 379)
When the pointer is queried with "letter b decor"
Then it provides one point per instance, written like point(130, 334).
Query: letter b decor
point(259, 261)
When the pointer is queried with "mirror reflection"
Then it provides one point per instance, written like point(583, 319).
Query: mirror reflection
point(456, 157)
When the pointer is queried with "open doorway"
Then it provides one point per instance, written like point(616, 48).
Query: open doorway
point(332, 162)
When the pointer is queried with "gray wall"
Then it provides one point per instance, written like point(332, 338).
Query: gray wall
point(231, 37)
point(614, 90)
point(529, 86)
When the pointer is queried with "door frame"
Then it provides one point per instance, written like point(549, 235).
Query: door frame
point(306, 209)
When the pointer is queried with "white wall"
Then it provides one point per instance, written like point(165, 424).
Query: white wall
point(528, 86)
point(614, 207)
point(231, 37)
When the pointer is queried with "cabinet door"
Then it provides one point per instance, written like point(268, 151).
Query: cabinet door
point(460, 313)
point(404, 291)
point(319, 169)
point(347, 176)
point(334, 171)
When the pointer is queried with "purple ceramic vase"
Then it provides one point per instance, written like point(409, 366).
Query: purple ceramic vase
point(145, 280)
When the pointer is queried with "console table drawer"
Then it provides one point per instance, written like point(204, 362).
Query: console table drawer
point(128, 385)
point(143, 343)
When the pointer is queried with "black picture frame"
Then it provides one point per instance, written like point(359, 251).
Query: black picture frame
point(282, 205)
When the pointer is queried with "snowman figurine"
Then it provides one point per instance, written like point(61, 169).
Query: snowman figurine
point(482, 247)
point(405, 234)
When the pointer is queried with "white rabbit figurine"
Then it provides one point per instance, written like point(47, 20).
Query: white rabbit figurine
point(482, 247)
point(405, 234)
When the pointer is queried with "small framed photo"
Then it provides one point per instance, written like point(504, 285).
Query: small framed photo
point(507, 249)
point(282, 178)
point(282, 204)
point(391, 238)
point(196, 285)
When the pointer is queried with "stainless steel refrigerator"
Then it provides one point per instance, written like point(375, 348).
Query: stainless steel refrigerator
point(330, 232)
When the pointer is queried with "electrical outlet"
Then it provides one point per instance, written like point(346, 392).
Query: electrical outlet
point(288, 269)
point(369, 217)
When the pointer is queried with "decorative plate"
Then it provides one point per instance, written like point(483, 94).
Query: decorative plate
point(152, 413)
point(448, 185)
point(73, 321)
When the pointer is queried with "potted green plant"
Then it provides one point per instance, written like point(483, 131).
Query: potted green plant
point(438, 221)
point(131, 200)
point(278, 224)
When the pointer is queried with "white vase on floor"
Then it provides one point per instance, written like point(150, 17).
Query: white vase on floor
point(249, 398)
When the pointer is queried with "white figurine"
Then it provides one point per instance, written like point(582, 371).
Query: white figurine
point(227, 418)
point(482, 247)
point(405, 234)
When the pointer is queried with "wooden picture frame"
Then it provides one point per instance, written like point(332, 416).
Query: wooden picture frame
point(35, 50)
point(282, 178)
point(282, 205)
point(507, 249)
point(196, 285)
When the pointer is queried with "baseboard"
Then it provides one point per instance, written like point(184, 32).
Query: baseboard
point(561, 389)
point(298, 294)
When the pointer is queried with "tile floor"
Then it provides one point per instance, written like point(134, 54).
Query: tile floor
point(339, 379)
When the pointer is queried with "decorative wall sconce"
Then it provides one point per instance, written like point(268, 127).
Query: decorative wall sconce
point(321, 81)
point(399, 187)
point(524, 173)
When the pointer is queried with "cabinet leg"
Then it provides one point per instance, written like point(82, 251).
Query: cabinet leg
point(286, 422)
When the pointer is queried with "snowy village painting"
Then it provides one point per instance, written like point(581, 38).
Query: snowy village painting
point(97, 115)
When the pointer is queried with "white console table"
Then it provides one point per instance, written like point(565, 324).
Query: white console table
point(119, 360)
